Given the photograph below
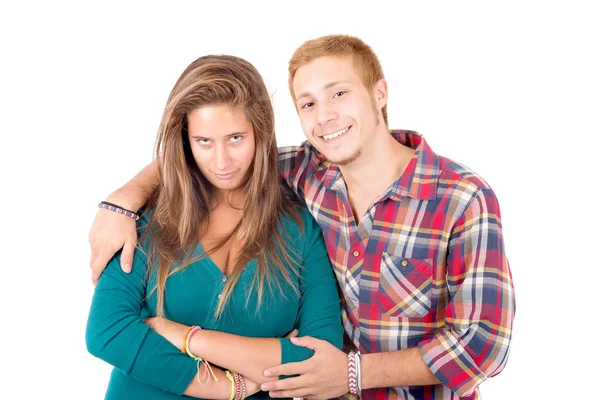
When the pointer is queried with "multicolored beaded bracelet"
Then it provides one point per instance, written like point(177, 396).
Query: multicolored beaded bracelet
point(113, 207)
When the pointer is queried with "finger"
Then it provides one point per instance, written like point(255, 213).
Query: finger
point(288, 384)
point(296, 368)
point(127, 256)
point(307, 341)
point(293, 333)
point(295, 393)
point(95, 277)
point(93, 257)
point(99, 264)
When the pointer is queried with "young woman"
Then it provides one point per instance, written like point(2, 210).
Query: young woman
point(228, 262)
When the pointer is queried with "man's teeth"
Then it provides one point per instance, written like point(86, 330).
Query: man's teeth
point(335, 134)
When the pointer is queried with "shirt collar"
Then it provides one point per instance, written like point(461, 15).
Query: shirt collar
point(419, 179)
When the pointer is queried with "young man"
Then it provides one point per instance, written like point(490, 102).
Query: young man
point(415, 240)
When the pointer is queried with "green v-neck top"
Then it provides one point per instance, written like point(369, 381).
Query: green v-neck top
point(148, 367)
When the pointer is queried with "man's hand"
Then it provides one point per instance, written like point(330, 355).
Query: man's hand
point(109, 233)
point(170, 330)
point(291, 334)
point(323, 376)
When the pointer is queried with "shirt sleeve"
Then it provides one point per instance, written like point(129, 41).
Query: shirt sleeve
point(116, 332)
point(319, 315)
point(479, 316)
point(294, 163)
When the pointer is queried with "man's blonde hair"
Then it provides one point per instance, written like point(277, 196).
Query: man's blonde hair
point(364, 60)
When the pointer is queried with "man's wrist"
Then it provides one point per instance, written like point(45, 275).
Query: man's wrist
point(123, 200)
point(354, 373)
point(365, 359)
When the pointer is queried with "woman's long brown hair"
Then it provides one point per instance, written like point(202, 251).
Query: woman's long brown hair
point(180, 207)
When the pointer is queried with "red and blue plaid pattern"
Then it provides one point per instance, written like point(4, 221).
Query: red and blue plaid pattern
point(425, 266)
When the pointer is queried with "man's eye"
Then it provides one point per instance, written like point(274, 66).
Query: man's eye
point(340, 93)
point(308, 105)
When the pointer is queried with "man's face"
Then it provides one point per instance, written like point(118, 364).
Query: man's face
point(337, 113)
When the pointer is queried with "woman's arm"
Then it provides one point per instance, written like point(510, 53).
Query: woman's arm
point(116, 333)
point(246, 355)
point(319, 316)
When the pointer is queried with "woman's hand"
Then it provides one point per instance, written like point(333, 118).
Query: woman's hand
point(170, 330)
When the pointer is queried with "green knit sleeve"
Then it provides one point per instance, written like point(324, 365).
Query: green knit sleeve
point(116, 332)
point(319, 315)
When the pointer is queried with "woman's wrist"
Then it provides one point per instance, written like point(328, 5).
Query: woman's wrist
point(197, 342)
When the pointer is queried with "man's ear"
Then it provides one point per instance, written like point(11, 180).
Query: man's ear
point(380, 93)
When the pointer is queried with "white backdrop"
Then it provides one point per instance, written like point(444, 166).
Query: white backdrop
point(510, 89)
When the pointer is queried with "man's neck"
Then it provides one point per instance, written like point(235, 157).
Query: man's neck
point(380, 165)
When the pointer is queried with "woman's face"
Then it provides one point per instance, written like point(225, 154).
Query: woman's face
point(222, 142)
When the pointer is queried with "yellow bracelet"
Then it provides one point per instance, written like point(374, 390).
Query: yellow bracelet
point(187, 342)
point(230, 377)
point(185, 335)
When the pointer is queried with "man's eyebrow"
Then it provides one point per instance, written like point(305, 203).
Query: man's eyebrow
point(327, 86)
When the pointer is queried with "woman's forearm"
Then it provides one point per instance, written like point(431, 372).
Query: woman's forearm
point(248, 356)
point(212, 389)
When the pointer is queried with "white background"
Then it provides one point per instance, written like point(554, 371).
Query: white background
point(510, 89)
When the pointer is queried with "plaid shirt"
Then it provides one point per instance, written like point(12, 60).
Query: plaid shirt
point(425, 267)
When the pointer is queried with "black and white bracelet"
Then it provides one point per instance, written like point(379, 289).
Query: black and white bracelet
point(113, 207)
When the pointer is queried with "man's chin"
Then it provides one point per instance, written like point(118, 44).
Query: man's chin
point(343, 161)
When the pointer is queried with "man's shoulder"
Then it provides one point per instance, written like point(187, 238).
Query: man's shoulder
point(459, 180)
point(304, 150)
point(300, 160)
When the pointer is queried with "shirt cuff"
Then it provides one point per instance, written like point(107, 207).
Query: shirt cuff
point(451, 363)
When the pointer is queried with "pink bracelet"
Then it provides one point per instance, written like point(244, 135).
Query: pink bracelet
point(200, 360)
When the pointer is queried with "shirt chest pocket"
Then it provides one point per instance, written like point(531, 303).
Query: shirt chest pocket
point(405, 286)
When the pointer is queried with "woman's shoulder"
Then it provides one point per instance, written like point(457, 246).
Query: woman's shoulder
point(142, 224)
point(294, 202)
point(299, 224)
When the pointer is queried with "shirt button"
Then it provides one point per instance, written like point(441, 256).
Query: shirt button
point(404, 263)
point(223, 279)
point(356, 253)
point(219, 296)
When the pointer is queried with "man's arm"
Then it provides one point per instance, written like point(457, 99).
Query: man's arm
point(479, 318)
point(111, 231)
point(395, 368)
point(474, 345)
point(325, 375)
